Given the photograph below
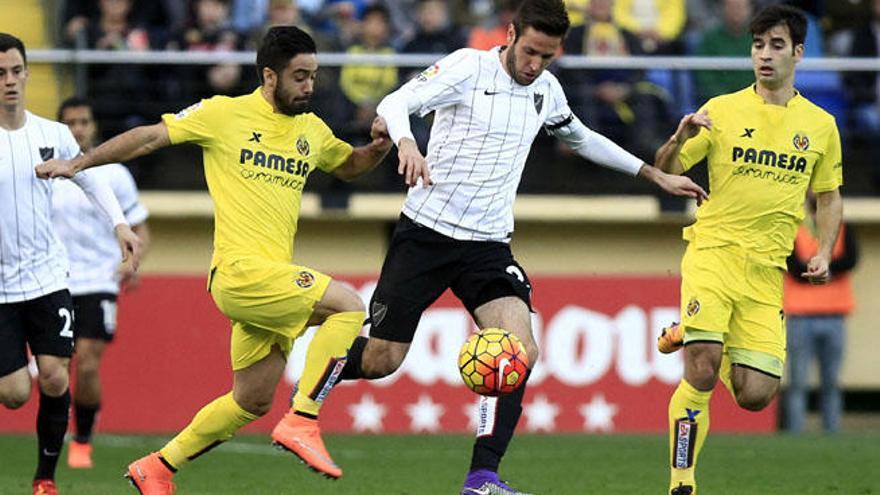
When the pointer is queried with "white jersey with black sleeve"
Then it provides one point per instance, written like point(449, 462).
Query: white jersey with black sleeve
point(484, 126)
point(33, 262)
point(91, 246)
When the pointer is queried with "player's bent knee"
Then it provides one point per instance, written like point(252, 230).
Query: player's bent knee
point(54, 385)
point(54, 381)
point(381, 358)
point(256, 404)
point(87, 367)
point(15, 399)
point(754, 401)
point(379, 368)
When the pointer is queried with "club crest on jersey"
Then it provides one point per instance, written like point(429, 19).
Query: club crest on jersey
point(302, 146)
point(304, 279)
point(801, 142)
point(693, 307)
point(47, 153)
point(539, 102)
point(429, 73)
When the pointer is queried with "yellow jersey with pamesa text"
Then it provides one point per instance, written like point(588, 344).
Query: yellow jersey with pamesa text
point(761, 159)
point(256, 164)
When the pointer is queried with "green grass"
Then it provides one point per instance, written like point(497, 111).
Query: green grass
point(574, 464)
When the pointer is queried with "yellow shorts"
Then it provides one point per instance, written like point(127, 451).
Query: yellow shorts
point(731, 297)
point(269, 304)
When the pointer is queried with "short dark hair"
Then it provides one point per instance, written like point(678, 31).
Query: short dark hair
point(73, 102)
point(377, 9)
point(547, 16)
point(281, 44)
point(8, 42)
point(792, 17)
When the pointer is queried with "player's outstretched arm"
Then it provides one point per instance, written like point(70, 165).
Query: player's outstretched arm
point(365, 158)
point(677, 185)
point(829, 213)
point(395, 109)
point(666, 158)
point(599, 149)
point(131, 144)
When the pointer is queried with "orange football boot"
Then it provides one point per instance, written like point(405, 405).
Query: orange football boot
point(302, 437)
point(79, 455)
point(671, 339)
point(45, 487)
point(150, 476)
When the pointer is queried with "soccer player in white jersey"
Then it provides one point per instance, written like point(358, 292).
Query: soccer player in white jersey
point(96, 271)
point(454, 230)
point(36, 311)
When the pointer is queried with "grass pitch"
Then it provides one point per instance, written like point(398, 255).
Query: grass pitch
point(424, 465)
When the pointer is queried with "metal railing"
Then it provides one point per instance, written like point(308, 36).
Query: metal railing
point(89, 57)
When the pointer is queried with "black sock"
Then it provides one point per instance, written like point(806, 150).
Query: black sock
point(491, 446)
point(52, 418)
point(352, 369)
point(85, 421)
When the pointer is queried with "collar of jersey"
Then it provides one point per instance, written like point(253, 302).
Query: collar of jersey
point(264, 107)
point(512, 87)
point(793, 102)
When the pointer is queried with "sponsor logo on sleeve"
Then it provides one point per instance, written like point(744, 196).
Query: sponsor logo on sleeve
point(188, 110)
point(429, 73)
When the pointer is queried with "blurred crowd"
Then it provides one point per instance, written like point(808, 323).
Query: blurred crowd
point(638, 109)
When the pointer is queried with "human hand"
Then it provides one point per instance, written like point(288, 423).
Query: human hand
point(55, 168)
point(690, 125)
point(817, 272)
point(412, 163)
point(130, 245)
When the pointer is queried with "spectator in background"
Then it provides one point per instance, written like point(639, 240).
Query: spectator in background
point(365, 85)
point(211, 31)
point(840, 16)
point(702, 15)
point(815, 317)
point(657, 24)
point(161, 18)
point(249, 16)
point(340, 20)
point(615, 103)
point(863, 88)
point(117, 90)
point(577, 10)
point(285, 13)
point(731, 39)
point(434, 32)
point(485, 38)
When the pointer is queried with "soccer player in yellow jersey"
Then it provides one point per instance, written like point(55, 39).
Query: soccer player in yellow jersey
point(259, 149)
point(764, 145)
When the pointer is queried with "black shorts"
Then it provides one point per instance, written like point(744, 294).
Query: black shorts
point(44, 324)
point(422, 263)
point(95, 316)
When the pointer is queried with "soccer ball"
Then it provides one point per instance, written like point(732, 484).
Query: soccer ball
point(493, 362)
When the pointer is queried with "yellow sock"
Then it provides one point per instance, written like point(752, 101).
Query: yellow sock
point(688, 410)
point(211, 426)
point(724, 373)
point(325, 359)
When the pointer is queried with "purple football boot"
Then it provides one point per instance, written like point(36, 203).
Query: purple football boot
point(485, 482)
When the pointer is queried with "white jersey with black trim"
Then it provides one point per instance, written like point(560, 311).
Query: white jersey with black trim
point(32, 260)
point(91, 245)
point(484, 127)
